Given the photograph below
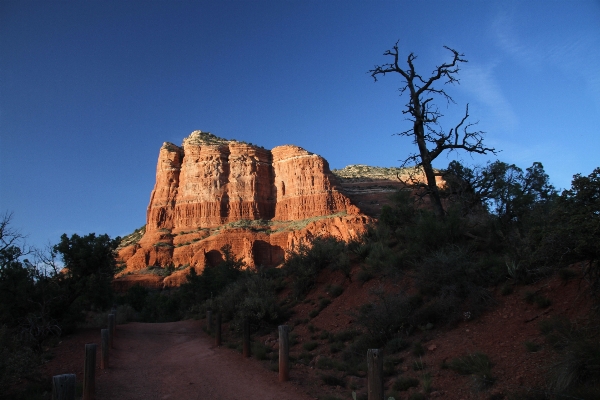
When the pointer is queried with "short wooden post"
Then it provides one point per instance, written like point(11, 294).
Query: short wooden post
point(89, 372)
point(375, 374)
point(284, 354)
point(104, 348)
point(111, 330)
point(63, 387)
point(246, 338)
point(218, 330)
point(209, 320)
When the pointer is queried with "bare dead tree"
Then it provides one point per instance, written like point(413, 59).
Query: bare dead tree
point(431, 139)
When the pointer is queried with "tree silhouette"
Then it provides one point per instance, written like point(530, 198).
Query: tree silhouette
point(430, 138)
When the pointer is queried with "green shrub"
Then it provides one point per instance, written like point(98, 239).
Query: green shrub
point(389, 365)
point(329, 363)
point(533, 297)
point(335, 291)
point(576, 373)
point(426, 382)
point(543, 302)
point(532, 347)
point(363, 275)
point(260, 351)
point(333, 380)
point(456, 276)
point(336, 347)
point(323, 303)
point(418, 349)
point(252, 296)
point(506, 289)
point(419, 365)
point(402, 384)
point(308, 260)
point(382, 258)
point(478, 365)
point(313, 314)
point(566, 274)
point(347, 335)
point(384, 318)
point(310, 346)
point(305, 358)
point(530, 297)
point(136, 297)
point(396, 345)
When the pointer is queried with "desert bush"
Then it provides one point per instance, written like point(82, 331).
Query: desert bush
point(333, 380)
point(252, 296)
point(162, 306)
point(17, 358)
point(455, 277)
point(390, 364)
point(308, 260)
point(396, 345)
point(364, 275)
point(418, 350)
point(336, 347)
point(382, 258)
point(402, 384)
point(419, 365)
point(387, 317)
point(323, 303)
point(577, 371)
point(344, 336)
point(335, 291)
point(478, 365)
point(260, 351)
point(532, 347)
point(426, 382)
point(330, 363)
point(136, 297)
point(310, 346)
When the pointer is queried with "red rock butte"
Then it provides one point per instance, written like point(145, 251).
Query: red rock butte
point(212, 192)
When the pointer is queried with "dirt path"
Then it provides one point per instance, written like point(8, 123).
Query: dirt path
point(178, 361)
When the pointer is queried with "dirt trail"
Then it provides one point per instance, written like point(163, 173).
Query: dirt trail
point(178, 361)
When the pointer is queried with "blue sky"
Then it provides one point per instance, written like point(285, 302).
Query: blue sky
point(89, 90)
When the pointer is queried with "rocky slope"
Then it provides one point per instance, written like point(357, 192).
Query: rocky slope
point(212, 192)
point(369, 188)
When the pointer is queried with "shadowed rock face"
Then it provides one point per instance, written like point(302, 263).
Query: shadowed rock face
point(208, 192)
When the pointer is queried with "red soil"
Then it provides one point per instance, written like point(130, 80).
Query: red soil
point(171, 361)
point(179, 361)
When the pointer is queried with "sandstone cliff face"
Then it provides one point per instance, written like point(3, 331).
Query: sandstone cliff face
point(211, 192)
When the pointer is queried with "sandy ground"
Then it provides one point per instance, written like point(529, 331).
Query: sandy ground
point(178, 361)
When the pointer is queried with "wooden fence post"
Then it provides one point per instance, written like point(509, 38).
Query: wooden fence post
point(284, 354)
point(218, 330)
point(114, 311)
point(246, 338)
point(375, 374)
point(111, 330)
point(104, 348)
point(209, 320)
point(63, 387)
point(89, 372)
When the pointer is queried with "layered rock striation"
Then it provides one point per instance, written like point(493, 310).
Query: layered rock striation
point(212, 192)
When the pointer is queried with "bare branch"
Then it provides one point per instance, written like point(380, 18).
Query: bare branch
point(425, 115)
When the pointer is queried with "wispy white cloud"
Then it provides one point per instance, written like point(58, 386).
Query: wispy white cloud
point(572, 53)
point(480, 82)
